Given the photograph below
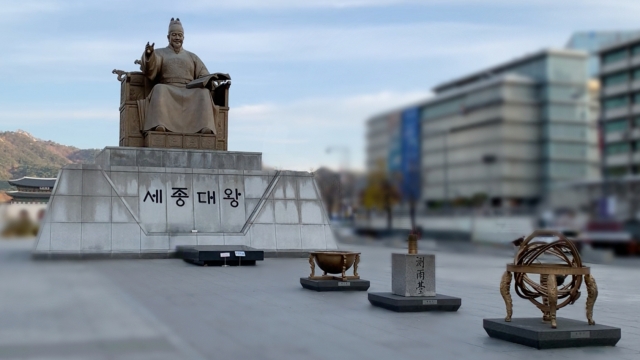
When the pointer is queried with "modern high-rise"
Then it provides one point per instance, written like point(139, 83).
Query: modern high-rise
point(510, 132)
point(620, 102)
point(592, 41)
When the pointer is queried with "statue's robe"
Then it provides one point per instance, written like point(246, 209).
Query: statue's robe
point(170, 103)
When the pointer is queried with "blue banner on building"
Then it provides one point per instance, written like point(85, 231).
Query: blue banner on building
point(394, 160)
point(410, 154)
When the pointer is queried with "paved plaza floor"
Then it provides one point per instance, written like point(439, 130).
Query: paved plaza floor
point(169, 309)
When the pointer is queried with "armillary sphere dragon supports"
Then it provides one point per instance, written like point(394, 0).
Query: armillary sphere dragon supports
point(553, 291)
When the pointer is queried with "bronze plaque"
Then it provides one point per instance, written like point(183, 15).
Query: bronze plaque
point(191, 141)
point(222, 125)
point(122, 123)
point(208, 142)
point(136, 93)
point(136, 141)
point(155, 140)
point(137, 79)
point(174, 141)
point(123, 90)
point(133, 120)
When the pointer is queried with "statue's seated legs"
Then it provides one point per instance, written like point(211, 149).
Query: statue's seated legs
point(205, 130)
point(179, 109)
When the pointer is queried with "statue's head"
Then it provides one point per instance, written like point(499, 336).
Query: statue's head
point(176, 34)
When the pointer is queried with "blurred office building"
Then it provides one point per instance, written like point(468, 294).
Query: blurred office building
point(614, 197)
point(592, 41)
point(618, 194)
point(620, 77)
point(508, 133)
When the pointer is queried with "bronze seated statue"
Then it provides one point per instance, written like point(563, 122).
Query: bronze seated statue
point(173, 102)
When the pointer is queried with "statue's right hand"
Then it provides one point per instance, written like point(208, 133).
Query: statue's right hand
point(148, 49)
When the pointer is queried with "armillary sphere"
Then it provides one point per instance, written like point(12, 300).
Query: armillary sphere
point(554, 290)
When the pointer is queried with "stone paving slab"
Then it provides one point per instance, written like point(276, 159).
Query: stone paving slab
point(67, 310)
point(171, 309)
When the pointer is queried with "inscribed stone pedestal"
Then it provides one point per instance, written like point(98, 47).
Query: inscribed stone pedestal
point(152, 209)
point(413, 274)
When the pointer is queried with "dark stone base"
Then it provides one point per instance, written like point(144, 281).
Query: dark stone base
point(569, 333)
point(209, 255)
point(287, 254)
point(65, 256)
point(398, 303)
point(335, 285)
point(221, 263)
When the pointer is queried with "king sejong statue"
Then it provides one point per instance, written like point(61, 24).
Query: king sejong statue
point(181, 99)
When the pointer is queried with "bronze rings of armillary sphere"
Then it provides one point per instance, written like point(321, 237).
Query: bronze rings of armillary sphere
point(334, 262)
point(559, 283)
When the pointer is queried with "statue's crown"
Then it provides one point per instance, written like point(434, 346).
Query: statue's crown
point(175, 24)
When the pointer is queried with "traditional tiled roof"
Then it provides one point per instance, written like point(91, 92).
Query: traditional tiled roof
point(29, 195)
point(34, 182)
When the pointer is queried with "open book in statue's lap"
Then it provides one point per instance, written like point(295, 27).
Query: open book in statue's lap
point(179, 98)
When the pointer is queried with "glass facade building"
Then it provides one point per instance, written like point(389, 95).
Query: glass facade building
point(592, 41)
point(510, 132)
point(620, 101)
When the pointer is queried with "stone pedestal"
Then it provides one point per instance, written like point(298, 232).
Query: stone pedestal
point(535, 333)
point(413, 286)
point(414, 303)
point(219, 255)
point(335, 285)
point(413, 275)
point(144, 202)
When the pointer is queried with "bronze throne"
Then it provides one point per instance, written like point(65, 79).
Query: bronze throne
point(135, 86)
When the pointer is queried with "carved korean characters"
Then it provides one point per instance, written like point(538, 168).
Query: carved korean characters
point(171, 202)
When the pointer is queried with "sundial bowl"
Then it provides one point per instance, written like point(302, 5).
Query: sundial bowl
point(332, 262)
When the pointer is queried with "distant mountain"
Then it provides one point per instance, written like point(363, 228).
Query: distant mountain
point(21, 154)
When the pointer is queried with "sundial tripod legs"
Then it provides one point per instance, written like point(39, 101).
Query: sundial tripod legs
point(344, 266)
point(355, 265)
point(505, 285)
point(592, 294)
point(312, 264)
point(552, 298)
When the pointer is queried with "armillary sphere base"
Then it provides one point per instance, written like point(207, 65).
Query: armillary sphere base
point(538, 334)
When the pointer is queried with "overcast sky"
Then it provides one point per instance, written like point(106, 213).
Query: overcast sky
point(306, 73)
